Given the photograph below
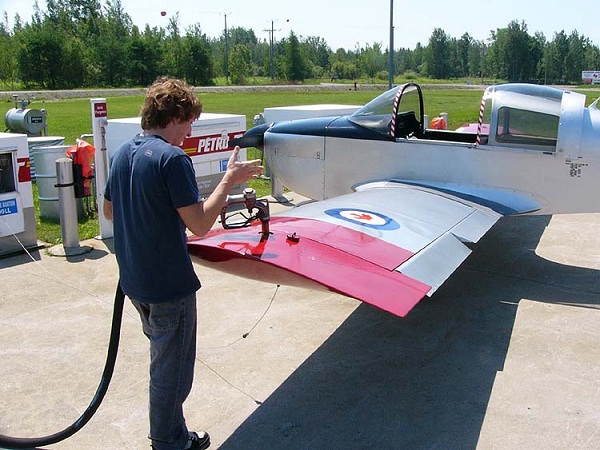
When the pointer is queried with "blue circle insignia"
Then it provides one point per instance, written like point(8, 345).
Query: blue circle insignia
point(364, 218)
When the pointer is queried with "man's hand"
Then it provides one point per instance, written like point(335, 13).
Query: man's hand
point(241, 171)
point(200, 216)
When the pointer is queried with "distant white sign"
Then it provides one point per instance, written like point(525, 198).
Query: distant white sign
point(590, 77)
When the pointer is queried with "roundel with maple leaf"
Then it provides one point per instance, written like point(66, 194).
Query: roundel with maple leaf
point(364, 218)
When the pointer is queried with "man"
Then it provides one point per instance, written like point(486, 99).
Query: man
point(152, 197)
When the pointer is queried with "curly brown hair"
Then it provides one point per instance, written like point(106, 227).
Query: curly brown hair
point(168, 99)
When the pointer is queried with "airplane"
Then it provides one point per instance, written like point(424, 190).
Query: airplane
point(396, 205)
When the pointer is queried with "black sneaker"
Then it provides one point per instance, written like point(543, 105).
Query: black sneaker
point(198, 441)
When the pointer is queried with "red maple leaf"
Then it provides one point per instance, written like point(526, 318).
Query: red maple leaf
point(363, 216)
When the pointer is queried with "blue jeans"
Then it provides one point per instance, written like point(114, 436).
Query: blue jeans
point(171, 329)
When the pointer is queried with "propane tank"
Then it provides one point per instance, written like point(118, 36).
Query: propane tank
point(29, 121)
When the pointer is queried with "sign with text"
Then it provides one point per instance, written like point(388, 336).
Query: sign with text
point(8, 206)
point(100, 110)
point(213, 143)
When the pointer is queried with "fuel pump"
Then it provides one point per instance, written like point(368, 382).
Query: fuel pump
point(10, 200)
point(17, 214)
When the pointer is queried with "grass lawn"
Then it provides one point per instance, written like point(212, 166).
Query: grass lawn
point(72, 117)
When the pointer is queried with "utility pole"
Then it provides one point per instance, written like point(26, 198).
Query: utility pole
point(271, 32)
point(391, 49)
point(226, 52)
point(271, 50)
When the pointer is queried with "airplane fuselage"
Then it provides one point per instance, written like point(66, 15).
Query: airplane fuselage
point(558, 184)
point(539, 176)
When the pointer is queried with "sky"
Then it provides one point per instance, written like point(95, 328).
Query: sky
point(351, 23)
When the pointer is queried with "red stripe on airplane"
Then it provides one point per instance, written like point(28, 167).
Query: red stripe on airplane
point(341, 259)
point(348, 240)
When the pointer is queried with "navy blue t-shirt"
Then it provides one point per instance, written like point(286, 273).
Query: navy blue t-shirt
point(149, 179)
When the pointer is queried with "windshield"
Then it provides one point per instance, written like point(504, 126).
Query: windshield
point(377, 114)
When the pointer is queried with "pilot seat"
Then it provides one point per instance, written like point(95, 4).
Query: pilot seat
point(407, 125)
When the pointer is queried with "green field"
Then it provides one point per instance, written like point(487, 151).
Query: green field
point(71, 118)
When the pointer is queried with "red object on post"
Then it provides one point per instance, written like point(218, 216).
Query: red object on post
point(83, 154)
point(439, 123)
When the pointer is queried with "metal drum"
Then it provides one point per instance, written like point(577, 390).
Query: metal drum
point(45, 163)
point(41, 141)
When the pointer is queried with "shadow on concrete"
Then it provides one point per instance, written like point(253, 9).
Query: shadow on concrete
point(18, 258)
point(423, 381)
point(33, 255)
point(91, 255)
point(95, 253)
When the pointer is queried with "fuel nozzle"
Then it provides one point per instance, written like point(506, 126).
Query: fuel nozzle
point(257, 209)
point(250, 199)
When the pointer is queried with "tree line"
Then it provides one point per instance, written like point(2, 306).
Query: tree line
point(84, 43)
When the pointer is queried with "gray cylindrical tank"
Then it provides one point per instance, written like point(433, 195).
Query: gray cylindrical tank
point(45, 176)
point(41, 141)
point(27, 121)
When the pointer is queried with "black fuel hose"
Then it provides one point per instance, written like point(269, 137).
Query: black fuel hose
point(9, 442)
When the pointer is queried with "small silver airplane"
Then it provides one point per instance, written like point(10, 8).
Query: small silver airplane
point(396, 203)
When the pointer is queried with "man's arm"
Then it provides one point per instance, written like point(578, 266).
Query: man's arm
point(200, 217)
point(107, 209)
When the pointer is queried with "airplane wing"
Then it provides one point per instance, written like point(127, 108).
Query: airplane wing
point(388, 245)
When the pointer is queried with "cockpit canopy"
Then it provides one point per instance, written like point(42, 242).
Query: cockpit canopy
point(517, 115)
point(524, 115)
point(397, 112)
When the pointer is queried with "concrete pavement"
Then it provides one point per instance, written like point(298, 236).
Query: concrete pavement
point(505, 355)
